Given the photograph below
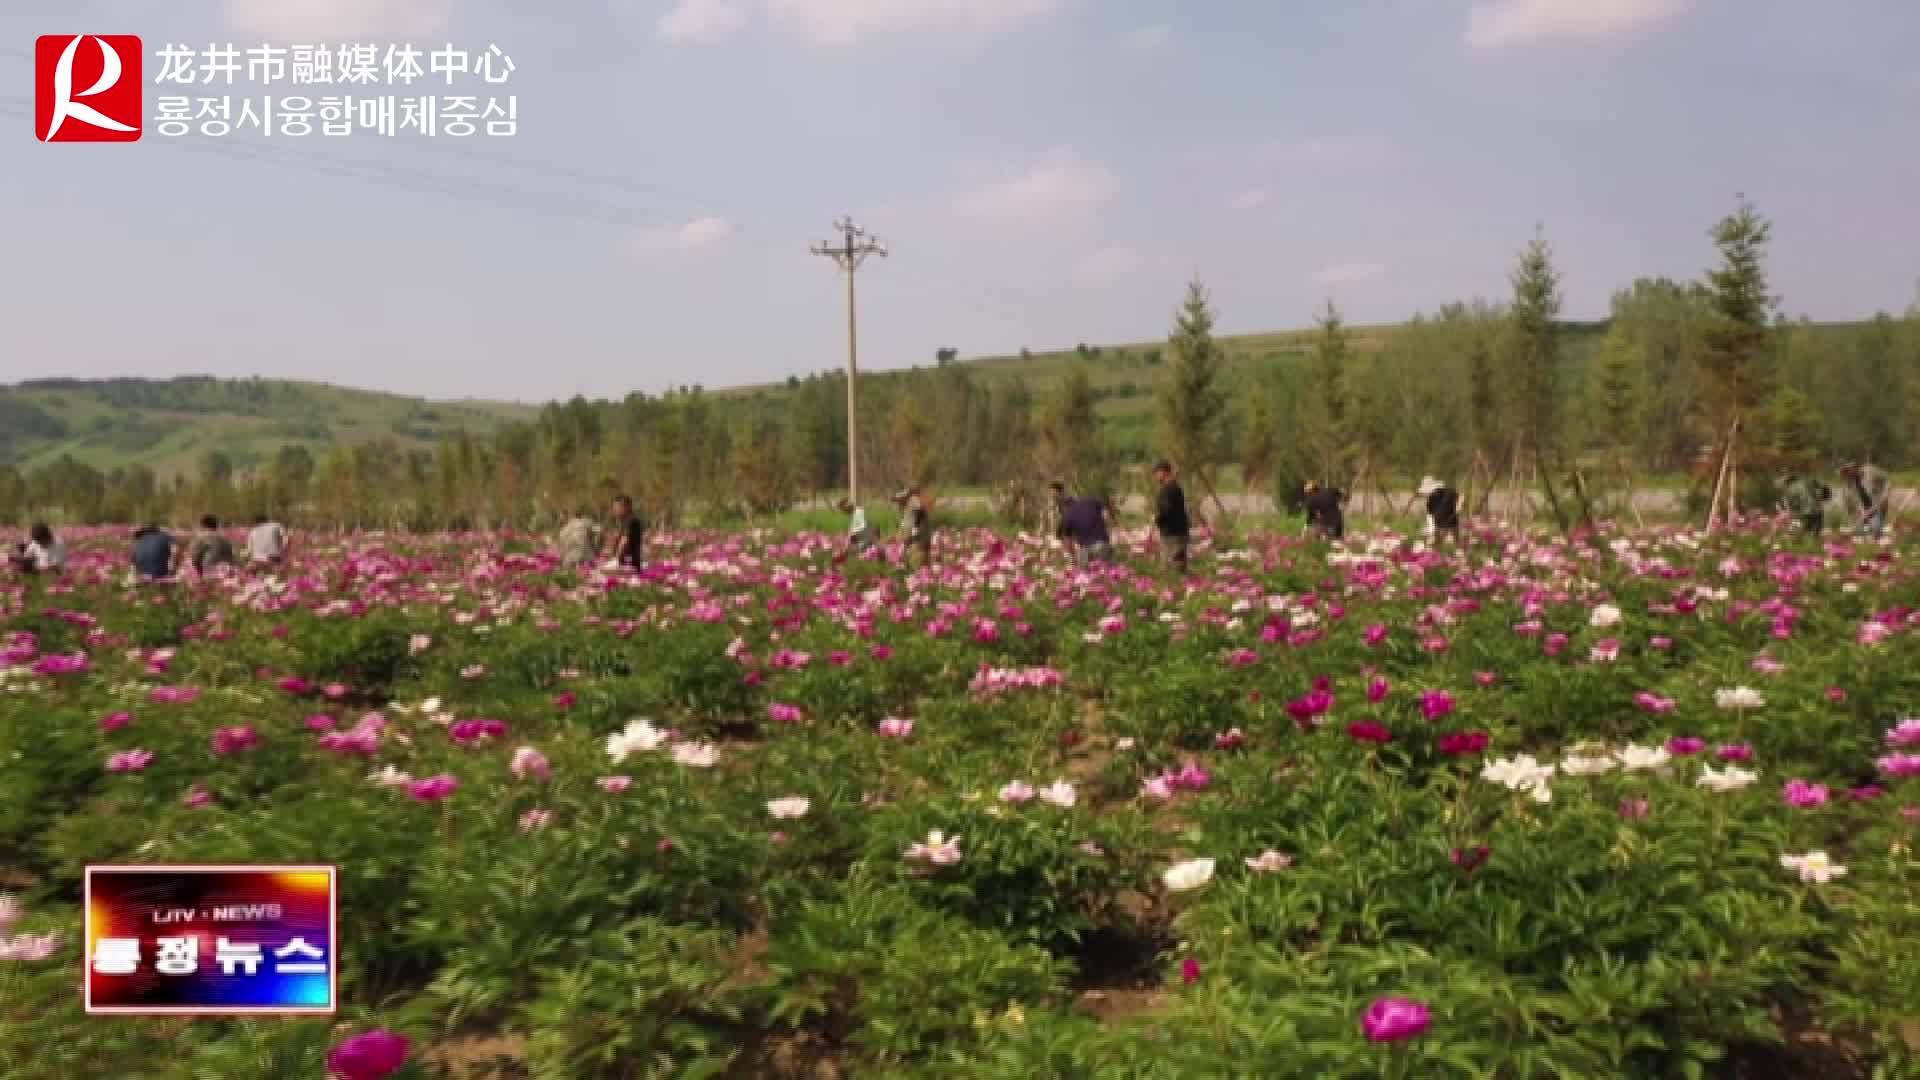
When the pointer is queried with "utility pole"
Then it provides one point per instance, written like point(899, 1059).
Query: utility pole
point(848, 253)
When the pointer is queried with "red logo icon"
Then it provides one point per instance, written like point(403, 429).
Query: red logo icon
point(87, 88)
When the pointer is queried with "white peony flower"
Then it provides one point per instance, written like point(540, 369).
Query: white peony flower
point(1644, 757)
point(638, 737)
point(1738, 698)
point(1189, 875)
point(1604, 616)
point(1732, 778)
point(1059, 793)
point(1814, 867)
point(1521, 773)
point(697, 755)
point(1584, 765)
point(791, 807)
point(1269, 861)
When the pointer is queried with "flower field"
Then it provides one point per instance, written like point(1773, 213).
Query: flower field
point(1640, 805)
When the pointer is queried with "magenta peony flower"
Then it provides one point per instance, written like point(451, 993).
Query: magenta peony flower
point(296, 686)
point(1685, 745)
point(232, 740)
point(782, 713)
point(1435, 704)
point(564, 700)
point(1393, 1019)
point(1734, 752)
point(1377, 691)
point(1458, 743)
point(1471, 859)
point(115, 721)
point(371, 1055)
point(1900, 766)
point(1369, 731)
point(1376, 634)
point(1804, 795)
point(433, 788)
point(1189, 971)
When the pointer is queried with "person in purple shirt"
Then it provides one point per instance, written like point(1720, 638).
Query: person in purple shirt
point(1086, 522)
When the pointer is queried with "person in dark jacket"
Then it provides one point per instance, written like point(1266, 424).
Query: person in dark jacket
point(152, 552)
point(629, 535)
point(1170, 516)
point(209, 549)
point(1443, 510)
point(1086, 523)
point(1325, 515)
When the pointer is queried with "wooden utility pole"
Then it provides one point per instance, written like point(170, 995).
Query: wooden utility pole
point(848, 253)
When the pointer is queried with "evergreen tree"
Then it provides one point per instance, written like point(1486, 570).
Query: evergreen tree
point(1735, 346)
point(1531, 366)
point(1321, 423)
point(1192, 401)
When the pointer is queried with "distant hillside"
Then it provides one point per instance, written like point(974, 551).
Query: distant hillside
point(169, 425)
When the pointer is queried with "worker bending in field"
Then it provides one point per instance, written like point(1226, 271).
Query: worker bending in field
point(1443, 510)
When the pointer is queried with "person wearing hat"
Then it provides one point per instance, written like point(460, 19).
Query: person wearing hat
point(1443, 509)
point(1868, 489)
point(915, 523)
point(1170, 518)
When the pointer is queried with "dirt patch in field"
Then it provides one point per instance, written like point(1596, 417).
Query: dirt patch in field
point(800, 1056)
point(1806, 1050)
point(478, 1056)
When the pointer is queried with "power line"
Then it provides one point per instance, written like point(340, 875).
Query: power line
point(852, 249)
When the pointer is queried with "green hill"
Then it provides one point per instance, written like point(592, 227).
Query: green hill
point(169, 425)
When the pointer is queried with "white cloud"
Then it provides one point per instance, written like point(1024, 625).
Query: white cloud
point(1250, 199)
point(1057, 189)
point(840, 23)
point(697, 21)
point(696, 235)
point(1348, 274)
point(317, 20)
point(1497, 24)
point(1149, 38)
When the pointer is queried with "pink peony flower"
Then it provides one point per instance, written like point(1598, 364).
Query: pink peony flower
point(127, 761)
point(1647, 701)
point(371, 1055)
point(614, 785)
point(893, 727)
point(232, 740)
point(1393, 1019)
point(1634, 809)
point(1900, 766)
point(1804, 795)
point(197, 797)
point(781, 713)
point(528, 762)
point(535, 819)
point(433, 789)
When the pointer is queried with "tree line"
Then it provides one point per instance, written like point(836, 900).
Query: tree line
point(1488, 393)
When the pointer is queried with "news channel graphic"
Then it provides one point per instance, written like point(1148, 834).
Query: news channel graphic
point(211, 940)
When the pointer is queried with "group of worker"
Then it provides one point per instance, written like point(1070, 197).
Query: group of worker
point(1865, 493)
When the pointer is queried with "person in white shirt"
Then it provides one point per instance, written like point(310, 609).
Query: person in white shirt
point(859, 538)
point(267, 543)
point(43, 553)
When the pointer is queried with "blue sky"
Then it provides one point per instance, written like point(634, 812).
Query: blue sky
point(1045, 172)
